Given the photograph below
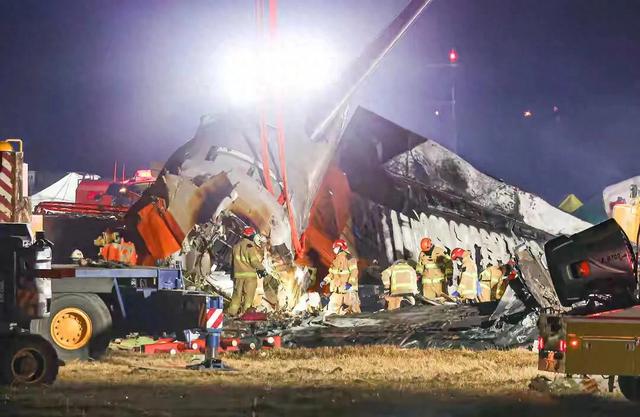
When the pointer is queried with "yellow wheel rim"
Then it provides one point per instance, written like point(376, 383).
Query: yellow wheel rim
point(71, 328)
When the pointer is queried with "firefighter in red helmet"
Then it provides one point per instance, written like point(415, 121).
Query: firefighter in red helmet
point(343, 281)
point(434, 266)
point(247, 264)
point(468, 282)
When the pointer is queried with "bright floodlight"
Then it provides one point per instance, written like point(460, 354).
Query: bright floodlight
point(289, 69)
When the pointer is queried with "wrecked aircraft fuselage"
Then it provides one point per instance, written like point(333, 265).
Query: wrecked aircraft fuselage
point(379, 186)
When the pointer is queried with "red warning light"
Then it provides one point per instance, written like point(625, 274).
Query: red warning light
point(563, 345)
point(453, 56)
point(583, 269)
point(540, 343)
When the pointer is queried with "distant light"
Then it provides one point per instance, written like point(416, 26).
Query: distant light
point(122, 190)
point(527, 113)
point(453, 56)
point(437, 112)
point(143, 173)
point(556, 109)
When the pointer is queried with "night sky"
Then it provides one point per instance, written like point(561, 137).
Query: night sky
point(88, 82)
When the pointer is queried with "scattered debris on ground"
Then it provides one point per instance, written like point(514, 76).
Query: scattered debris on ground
point(567, 385)
point(351, 381)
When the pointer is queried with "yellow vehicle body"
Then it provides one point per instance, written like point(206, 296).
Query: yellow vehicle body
point(628, 217)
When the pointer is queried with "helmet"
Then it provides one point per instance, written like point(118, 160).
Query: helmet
point(457, 253)
point(425, 244)
point(340, 245)
point(248, 232)
point(76, 255)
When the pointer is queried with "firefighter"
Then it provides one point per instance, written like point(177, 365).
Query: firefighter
point(468, 283)
point(491, 279)
point(434, 266)
point(343, 281)
point(509, 273)
point(247, 265)
point(399, 279)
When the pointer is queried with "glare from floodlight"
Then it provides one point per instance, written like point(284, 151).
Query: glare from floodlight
point(289, 69)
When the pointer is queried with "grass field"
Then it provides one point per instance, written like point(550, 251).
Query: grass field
point(372, 381)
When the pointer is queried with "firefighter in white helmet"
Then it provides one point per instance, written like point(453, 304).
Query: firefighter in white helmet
point(399, 280)
point(343, 281)
point(468, 283)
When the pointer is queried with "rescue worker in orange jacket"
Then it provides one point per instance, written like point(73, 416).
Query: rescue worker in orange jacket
point(491, 281)
point(468, 282)
point(343, 281)
point(434, 264)
point(399, 280)
point(247, 264)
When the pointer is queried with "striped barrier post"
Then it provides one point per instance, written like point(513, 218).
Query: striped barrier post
point(7, 186)
point(213, 321)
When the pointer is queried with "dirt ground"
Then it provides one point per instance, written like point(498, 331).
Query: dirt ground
point(372, 381)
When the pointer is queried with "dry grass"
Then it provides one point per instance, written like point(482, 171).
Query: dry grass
point(368, 381)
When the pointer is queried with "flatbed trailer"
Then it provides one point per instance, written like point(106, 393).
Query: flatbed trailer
point(92, 305)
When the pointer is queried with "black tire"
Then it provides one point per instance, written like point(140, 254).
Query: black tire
point(630, 387)
point(28, 360)
point(101, 324)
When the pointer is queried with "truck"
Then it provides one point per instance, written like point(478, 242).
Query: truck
point(597, 330)
point(92, 305)
point(102, 197)
point(50, 313)
point(25, 294)
point(82, 307)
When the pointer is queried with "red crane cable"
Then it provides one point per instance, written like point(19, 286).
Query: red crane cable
point(264, 136)
point(273, 26)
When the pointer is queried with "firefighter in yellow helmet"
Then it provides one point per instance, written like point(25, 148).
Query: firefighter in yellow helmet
point(399, 279)
point(468, 283)
point(343, 281)
point(434, 266)
point(491, 279)
point(247, 264)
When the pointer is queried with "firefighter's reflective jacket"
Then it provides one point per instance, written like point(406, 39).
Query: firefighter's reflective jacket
point(341, 272)
point(400, 279)
point(246, 259)
point(490, 283)
point(433, 266)
point(436, 269)
point(468, 285)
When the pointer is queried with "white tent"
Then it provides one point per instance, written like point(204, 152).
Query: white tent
point(63, 190)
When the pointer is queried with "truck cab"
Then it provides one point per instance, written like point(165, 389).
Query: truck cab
point(597, 331)
point(25, 295)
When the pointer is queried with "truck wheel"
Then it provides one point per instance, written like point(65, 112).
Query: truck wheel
point(28, 360)
point(630, 387)
point(79, 326)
